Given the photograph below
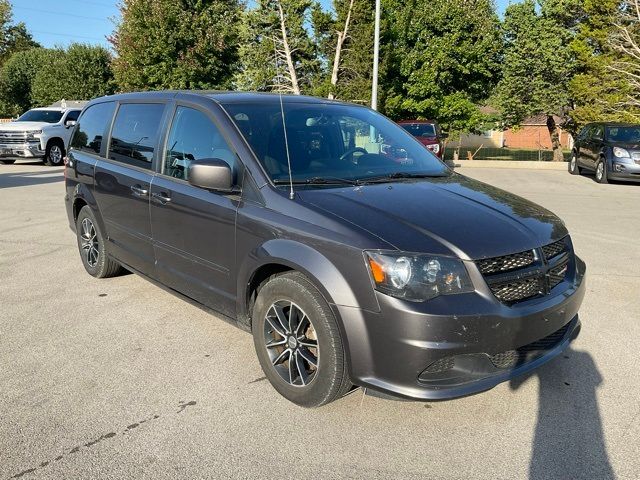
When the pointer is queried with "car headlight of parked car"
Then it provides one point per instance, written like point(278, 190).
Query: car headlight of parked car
point(620, 152)
point(435, 148)
point(417, 277)
point(32, 134)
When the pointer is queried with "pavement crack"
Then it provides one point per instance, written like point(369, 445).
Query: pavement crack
point(97, 440)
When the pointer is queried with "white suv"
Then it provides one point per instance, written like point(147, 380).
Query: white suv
point(39, 133)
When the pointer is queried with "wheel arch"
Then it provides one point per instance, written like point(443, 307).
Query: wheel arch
point(53, 140)
point(278, 256)
point(82, 196)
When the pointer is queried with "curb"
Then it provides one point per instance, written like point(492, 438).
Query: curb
point(534, 165)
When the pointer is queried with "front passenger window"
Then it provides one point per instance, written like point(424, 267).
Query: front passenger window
point(193, 136)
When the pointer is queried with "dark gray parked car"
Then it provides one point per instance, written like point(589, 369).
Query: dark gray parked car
point(611, 150)
point(353, 255)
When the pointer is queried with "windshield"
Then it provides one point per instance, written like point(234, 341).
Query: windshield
point(624, 134)
point(330, 142)
point(420, 129)
point(48, 116)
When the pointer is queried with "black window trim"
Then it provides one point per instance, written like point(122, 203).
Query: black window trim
point(173, 108)
point(163, 122)
point(102, 155)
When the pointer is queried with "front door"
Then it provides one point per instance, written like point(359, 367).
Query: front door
point(193, 228)
point(592, 146)
point(123, 182)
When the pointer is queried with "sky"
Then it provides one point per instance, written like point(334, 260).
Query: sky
point(60, 22)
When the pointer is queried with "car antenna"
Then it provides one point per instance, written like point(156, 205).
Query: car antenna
point(284, 128)
point(286, 145)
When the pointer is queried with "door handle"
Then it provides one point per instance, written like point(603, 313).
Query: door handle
point(161, 197)
point(138, 191)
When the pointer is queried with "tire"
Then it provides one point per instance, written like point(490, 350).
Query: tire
point(602, 172)
point(92, 246)
point(299, 382)
point(574, 168)
point(8, 162)
point(54, 154)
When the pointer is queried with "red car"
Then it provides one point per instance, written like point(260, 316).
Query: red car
point(426, 132)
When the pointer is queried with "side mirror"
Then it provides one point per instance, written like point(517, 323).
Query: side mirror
point(210, 173)
point(69, 123)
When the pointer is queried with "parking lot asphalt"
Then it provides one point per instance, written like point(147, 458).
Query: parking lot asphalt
point(119, 379)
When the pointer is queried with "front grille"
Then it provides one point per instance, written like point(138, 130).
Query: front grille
point(521, 276)
point(441, 365)
point(557, 274)
point(518, 290)
point(529, 352)
point(554, 249)
point(506, 262)
point(14, 138)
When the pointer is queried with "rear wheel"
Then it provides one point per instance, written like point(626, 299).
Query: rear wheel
point(8, 162)
point(574, 168)
point(54, 154)
point(92, 246)
point(601, 172)
point(298, 343)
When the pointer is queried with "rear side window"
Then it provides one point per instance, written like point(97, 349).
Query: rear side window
point(91, 128)
point(135, 133)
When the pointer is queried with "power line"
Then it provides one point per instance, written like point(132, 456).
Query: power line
point(87, 2)
point(68, 36)
point(102, 19)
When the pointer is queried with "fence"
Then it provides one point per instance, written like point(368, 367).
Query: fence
point(492, 153)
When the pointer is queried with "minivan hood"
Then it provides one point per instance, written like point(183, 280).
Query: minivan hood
point(626, 146)
point(23, 126)
point(451, 215)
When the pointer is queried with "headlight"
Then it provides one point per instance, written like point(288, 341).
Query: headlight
point(32, 134)
point(620, 152)
point(417, 277)
point(435, 148)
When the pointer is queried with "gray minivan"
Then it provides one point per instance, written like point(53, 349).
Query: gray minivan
point(352, 253)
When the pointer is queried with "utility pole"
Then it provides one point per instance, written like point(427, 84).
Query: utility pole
point(376, 55)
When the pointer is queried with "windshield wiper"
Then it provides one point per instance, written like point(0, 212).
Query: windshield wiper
point(317, 181)
point(399, 176)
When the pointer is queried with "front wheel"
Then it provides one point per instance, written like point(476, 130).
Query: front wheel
point(601, 172)
point(298, 342)
point(54, 154)
point(8, 162)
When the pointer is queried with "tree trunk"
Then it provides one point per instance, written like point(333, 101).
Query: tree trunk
point(342, 36)
point(287, 52)
point(555, 139)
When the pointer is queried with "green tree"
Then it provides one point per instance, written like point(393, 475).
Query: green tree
point(626, 43)
point(537, 69)
point(440, 58)
point(13, 38)
point(594, 88)
point(345, 43)
point(277, 52)
point(17, 77)
point(181, 44)
point(58, 79)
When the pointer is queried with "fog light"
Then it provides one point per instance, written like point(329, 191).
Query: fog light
point(618, 167)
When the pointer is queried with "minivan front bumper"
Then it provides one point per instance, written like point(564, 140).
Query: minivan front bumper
point(458, 345)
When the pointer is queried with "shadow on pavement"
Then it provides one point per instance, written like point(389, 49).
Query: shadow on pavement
point(23, 179)
point(568, 441)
